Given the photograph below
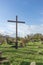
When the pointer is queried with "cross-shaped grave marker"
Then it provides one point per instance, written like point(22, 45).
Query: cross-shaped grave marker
point(16, 29)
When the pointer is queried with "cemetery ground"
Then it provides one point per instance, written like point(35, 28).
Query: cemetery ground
point(32, 52)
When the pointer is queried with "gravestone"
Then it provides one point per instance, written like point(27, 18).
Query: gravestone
point(41, 42)
point(40, 52)
point(3, 60)
point(33, 63)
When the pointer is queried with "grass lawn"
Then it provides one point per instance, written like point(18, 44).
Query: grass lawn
point(28, 54)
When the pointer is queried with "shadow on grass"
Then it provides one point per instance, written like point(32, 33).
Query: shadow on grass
point(11, 47)
point(39, 63)
point(25, 63)
point(6, 63)
point(28, 63)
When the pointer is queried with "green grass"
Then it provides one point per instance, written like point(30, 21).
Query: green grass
point(26, 54)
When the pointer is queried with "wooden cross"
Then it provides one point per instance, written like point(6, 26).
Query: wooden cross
point(16, 29)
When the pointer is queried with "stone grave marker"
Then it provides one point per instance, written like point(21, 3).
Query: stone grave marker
point(33, 63)
point(3, 60)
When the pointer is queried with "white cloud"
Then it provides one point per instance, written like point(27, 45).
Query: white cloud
point(23, 29)
point(36, 28)
point(2, 31)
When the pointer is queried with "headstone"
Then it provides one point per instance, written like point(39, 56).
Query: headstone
point(3, 59)
point(33, 63)
point(40, 52)
point(0, 43)
point(42, 42)
point(0, 53)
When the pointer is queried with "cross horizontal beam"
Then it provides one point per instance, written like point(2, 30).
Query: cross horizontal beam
point(15, 21)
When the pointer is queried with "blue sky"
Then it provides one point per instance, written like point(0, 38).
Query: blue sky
point(30, 11)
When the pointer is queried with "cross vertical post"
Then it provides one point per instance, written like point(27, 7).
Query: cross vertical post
point(16, 44)
point(16, 33)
